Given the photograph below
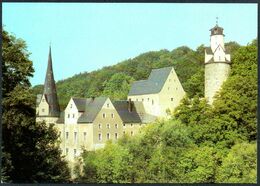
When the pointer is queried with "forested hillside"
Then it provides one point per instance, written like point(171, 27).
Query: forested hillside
point(114, 81)
point(199, 144)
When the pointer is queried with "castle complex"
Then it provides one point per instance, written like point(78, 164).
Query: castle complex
point(87, 123)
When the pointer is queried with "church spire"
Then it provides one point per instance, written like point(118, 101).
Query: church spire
point(50, 89)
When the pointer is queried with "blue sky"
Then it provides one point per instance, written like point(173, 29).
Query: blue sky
point(88, 36)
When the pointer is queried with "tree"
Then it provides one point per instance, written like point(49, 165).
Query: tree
point(31, 149)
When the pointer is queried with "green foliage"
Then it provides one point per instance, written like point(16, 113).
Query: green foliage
point(118, 86)
point(239, 165)
point(31, 150)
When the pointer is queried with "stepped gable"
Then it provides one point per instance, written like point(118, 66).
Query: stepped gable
point(50, 90)
point(92, 108)
point(153, 84)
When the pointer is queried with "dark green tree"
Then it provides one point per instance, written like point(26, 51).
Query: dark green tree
point(31, 149)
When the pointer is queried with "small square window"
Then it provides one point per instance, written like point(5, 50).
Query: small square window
point(43, 110)
point(148, 99)
point(171, 99)
point(124, 124)
point(104, 115)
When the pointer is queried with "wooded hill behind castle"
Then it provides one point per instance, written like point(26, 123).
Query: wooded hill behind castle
point(188, 64)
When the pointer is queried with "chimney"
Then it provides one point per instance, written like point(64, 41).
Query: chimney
point(130, 105)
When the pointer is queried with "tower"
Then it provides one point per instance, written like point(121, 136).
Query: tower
point(217, 63)
point(48, 104)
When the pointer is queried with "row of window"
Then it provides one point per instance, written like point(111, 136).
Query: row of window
point(73, 115)
point(108, 126)
point(76, 136)
point(108, 135)
point(104, 115)
point(67, 152)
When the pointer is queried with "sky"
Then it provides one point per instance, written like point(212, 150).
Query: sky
point(88, 36)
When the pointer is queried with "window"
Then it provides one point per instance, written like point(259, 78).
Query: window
point(73, 115)
point(59, 133)
point(142, 99)
point(112, 115)
point(67, 151)
point(75, 137)
point(108, 126)
point(171, 99)
point(132, 133)
point(116, 136)
point(99, 126)
point(75, 152)
point(136, 99)
point(152, 102)
point(148, 99)
point(168, 88)
point(70, 105)
point(85, 136)
point(68, 115)
point(124, 124)
point(219, 58)
point(99, 137)
point(43, 110)
point(107, 105)
point(67, 135)
point(131, 124)
point(108, 135)
point(176, 88)
point(104, 115)
point(124, 132)
point(116, 126)
point(42, 100)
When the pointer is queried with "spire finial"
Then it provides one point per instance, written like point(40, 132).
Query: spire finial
point(217, 21)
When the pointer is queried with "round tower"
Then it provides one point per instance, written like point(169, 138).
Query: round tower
point(217, 63)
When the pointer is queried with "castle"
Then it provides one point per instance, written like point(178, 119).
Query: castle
point(87, 123)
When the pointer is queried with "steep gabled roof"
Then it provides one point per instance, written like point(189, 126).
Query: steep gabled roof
point(126, 116)
point(153, 84)
point(81, 103)
point(92, 108)
point(50, 89)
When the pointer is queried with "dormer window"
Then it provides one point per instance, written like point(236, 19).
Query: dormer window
point(108, 105)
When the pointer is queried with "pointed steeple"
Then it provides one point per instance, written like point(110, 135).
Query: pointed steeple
point(50, 89)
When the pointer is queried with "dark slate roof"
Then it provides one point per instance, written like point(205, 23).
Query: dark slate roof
point(50, 90)
point(81, 103)
point(153, 84)
point(217, 30)
point(61, 118)
point(208, 50)
point(92, 108)
point(126, 116)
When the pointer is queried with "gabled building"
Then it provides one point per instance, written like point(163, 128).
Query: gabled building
point(160, 93)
